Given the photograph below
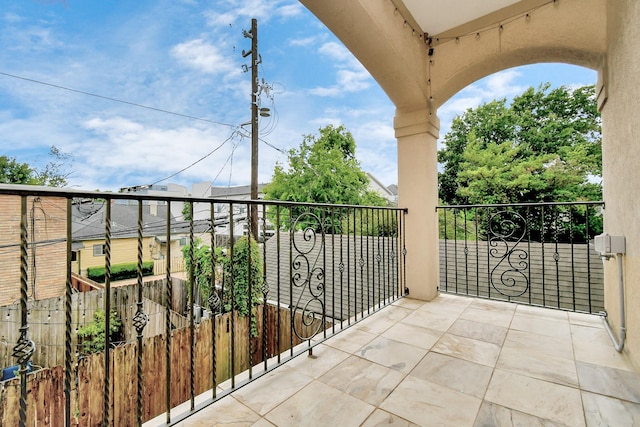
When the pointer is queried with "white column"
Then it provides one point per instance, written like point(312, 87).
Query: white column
point(417, 133)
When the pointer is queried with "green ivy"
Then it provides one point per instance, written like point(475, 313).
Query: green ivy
point(241, 269)
point(235, 294)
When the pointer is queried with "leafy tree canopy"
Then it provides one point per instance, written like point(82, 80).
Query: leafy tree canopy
point(54, 173)
point(323, 169)
point(544, 146)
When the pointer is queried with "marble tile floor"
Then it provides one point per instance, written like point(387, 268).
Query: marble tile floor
point(455, 361)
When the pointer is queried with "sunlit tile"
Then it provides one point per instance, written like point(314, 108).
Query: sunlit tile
point(392, 354)
point(532, 396)
point(539, 365)
point(227, 411)
point(320, 405)
point(456, 374)
point(384, 418)
point(271, 390)
point(608, 381)
point(468, 349)
point(491, 414)
point(543, 345)
point(541, 325)
point(414, 335)
point(323, 359)
point(479, 331)
point(608, 411)
point(426, 403)
point(593, 345)
point(500, 317)
point(363, 379)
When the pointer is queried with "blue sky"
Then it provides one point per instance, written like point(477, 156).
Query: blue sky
point(185, 57)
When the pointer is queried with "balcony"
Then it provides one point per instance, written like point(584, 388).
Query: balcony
point(329, 336)
point(454, 361)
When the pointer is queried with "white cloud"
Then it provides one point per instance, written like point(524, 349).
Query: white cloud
point(262, 10)
point(353, 80)
point(307, 41)
point(456, 106)
point(145, 154)
point(11, 17)
point(351, 76)
point(501, 85)
point(220, 19)
point(335, 51)
point(203, 56)
point(290, 10)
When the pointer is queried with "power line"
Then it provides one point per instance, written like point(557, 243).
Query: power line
point(197, 161)
point(108, 98)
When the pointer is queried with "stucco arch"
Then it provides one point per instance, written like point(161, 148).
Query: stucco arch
point(565, 32)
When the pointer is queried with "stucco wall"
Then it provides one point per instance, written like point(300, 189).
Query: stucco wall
point(621, 154)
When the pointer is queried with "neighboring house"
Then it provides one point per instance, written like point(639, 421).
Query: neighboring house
point(239, 192)
point(393, 188)
point(382, 190)
point(174, 190)
point(46, 234)
point(89, 230)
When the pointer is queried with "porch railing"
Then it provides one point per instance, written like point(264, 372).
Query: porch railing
point(533, 253)
point(126, 353)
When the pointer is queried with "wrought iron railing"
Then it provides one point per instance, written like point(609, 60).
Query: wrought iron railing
point(532, 253)
point(125, 351)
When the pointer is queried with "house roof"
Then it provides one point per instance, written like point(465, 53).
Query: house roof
point(230, 192)
point(88, 221)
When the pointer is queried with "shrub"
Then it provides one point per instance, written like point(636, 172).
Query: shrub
point(92, 335)
point(120, 271)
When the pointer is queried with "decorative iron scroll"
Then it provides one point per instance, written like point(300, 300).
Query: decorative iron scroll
point(140, 319)
point(506, 231)
point(24, 348)
point(214, 303)
point(307, 276)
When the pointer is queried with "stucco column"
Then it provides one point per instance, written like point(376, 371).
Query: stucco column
point(417, 133)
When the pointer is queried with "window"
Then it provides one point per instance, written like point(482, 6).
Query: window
point(98, 250)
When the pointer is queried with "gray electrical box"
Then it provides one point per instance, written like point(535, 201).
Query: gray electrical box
point(605, 244)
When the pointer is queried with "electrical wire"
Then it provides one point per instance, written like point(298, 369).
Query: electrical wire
point(197, 161)
point(108, 98)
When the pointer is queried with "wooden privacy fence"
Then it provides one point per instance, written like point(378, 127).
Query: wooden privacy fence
point(556, 275)
point(47, 322)
point(45, 400)
point(178, 264)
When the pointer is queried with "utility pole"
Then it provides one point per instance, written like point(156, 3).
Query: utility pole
point(255, 60)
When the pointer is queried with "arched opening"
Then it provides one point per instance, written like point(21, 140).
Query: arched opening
point(490, 111)
point(520, 188)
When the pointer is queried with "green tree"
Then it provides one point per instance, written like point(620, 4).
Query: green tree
point(13, 172)
point(543, 146)
point(54, 173)
point(323, 169)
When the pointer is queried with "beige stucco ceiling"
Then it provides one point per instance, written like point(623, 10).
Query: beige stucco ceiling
point(438, 17)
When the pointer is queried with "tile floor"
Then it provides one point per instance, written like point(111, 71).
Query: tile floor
point(455, 361)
